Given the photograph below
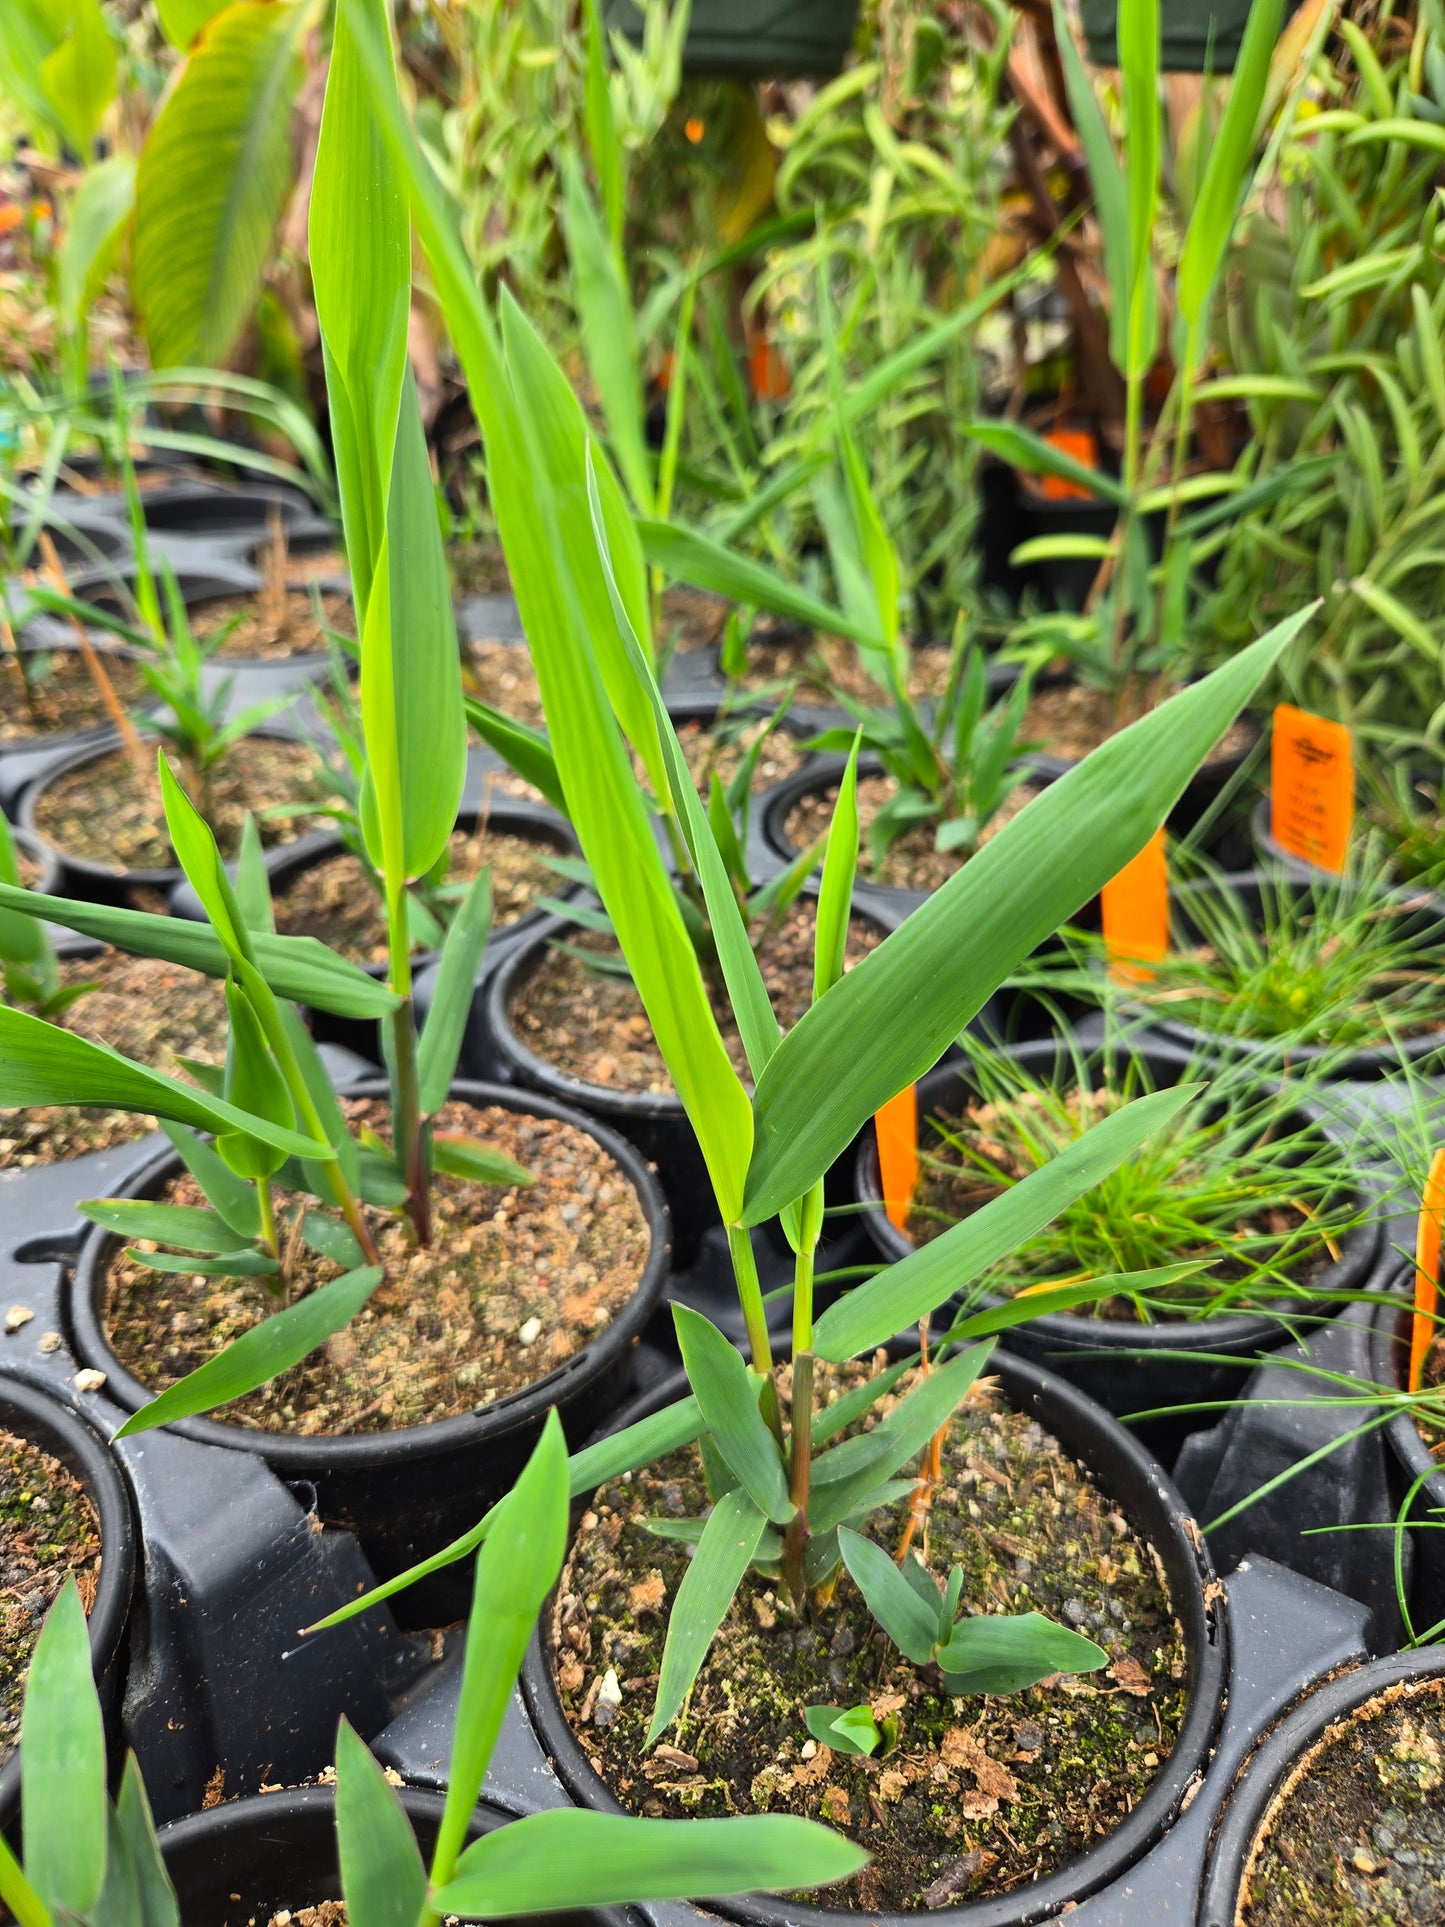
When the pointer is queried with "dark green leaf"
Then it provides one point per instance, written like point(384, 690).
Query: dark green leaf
point(189, 1227)
point(728, 1401)
point(902, 1614)
point(158, 1905)
point(724, 1553)
point(853, 1730)
point(62, 1764)
point(1003, 1653)
point(466, 1157)
point(452, 994)
point(383, 1879)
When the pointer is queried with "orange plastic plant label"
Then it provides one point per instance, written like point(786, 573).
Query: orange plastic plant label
point(896, 1128)
point(768, 371)
point(1424, 1325)
point(1136, 913)
point(1312, 787)
point(1079, 443)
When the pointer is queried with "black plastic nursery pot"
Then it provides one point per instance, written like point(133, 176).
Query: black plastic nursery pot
point(1410, 1459)
point(85, 877)
point(1143, 1491)
point(28, 1412)
point(241, 1863)
point(1195, 36)
point(406, 1493)
point(1127, 1366)
point(1367, 1061)
point(210, 509)
point(45, 877)
point(49, 639)
point(1286, 1757)
point(747, 38)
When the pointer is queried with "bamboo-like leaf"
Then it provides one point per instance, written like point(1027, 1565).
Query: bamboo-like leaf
point(214, 174)
point(98, 215)
point(231, 1264)
point(725, 1550)
point(521, 748)
point(187, 1226)
point(689, 556)
point(569, 1859)
point(893, 1602)
point(254, 1084)
point(1106, 177)
point(456, 982)
point(383, 1878)
point(261, 1354)
point(62, 1764)
point(182, 20)
point(41, 1064)
point(1139, 62)
point(1005, 1652)
point(917, 1285)
point(604, 310)
point(158, 1904)
point(890, 1019)
point(840, 866)
point(1025, 450)
point(1402, 620)
point(231, 1197)
point(727, 1399)
point(516, 1569)
point(464, 1157)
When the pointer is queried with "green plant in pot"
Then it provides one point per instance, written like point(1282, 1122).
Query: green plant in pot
point(91, 1860)
point(771, 1486)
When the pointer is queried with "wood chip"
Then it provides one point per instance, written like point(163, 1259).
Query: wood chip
point(960, 1877)
point(1128, 1673)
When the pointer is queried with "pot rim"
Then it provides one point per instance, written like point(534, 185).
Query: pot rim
point(1226, 1329)
point(1265, 1770)
point(292, 1455)
point(35, 1412)
point(1088, 1433)
point(1387, 1341)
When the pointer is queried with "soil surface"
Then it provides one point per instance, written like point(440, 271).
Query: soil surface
point(691, 619)
point(325, 1913)
point(1069, 719)
point(501, 675)
point(910, 862)
point(592, 1026)
point(822, 667)
point(478, 567)
point(48, 1531)
point(516, 1281)
point(104, 812)
point(721, 746)
point(148, 1010)
point(951, 1188)
point(1357, 1834)
point(337, 899)
point(59, 696)
point(270, 627)
point(981, 1795)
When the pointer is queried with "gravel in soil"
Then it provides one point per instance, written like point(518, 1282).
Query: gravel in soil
point(591, 1025)
point(323, 1913)
point(516, 1280)
point(104, 812)
point(1071, 718)
point(150, 1011)
point(910, 862)
point(1356, 1836)
point(982, 1794)
point(501, 675)
point(49, 1531)
point(59, 696)
point(268, 627)
point(950, 1190)
point(337, 899)
point(823, 667)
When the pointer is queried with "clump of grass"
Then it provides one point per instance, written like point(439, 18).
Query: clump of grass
point(1240, 1181)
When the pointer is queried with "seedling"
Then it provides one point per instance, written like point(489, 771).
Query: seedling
point(88, 1861)
point(853, 1730)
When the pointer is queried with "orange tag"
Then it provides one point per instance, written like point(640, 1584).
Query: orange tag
point(1423, 1326)
point(896, 1128)
point(1312, 788)
point(768, 371)
point(1078, 442)
point(1136, 914)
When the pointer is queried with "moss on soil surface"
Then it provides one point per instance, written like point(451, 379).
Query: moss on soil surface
point(910, 861)
point(148, 1010)
point(48, 1531)
point(1356, 1837)
point(104, 812)
point(981, 1795)
point(62, 698)
point(593, 1027)
point(515, 1282)
point(337, 901)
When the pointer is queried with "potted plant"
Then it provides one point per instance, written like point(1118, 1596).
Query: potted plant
point(359, 1843)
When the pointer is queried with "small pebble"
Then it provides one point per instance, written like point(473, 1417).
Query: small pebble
point(530, 1332)
point(49, 1342)
point(17, 1316)
point(609, 1699)
point(88, 1380)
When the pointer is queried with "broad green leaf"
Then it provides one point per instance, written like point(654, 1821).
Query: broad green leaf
point(299, 968)
point(890, 1019)
point(196, 852)
point(521, 748)
point(119, 1902)
point(604, 309)
point(182, 20)
point(1005, 1652)
point(725, 1550)
point(516, 1569)
point(158, 1905)
point(261, 1354)
point(453, 992)
point(603, 143)
point(17, 1893)
point(569, 1859)
point(850, 1730)
point(323, 1096)
point(688, 556)
point(466, 1157)
point(232, 1198)
point(22, 938)
point(383, 1879)
point(78, 76)
point(253, 886)
point(727, 1398)
point(907, 1619)
point(1139, 62)
point(230, 1264)
point(1023, 449)
point(214, 174)
point(254, 1084)
point(1106, 177)
point(98, 214)
point(40, 1064)
point(835, 893)
point(914, 1287)
point(1039, 1302)
point(62, 1763)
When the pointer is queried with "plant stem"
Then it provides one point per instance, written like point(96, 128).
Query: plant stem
point(407, 1124)
point(795, 1543)
point(268, 1216)
point(750, 1295)
point(306, 1111)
